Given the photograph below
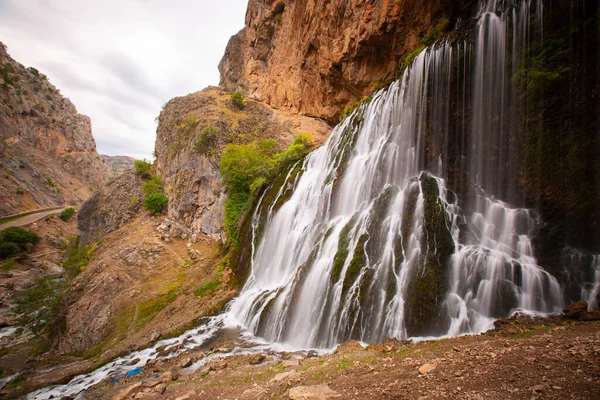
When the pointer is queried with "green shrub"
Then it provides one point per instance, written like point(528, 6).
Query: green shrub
point(156, 202)
point(67, 213)
point(153, 185)
point(207, 140)
point(15, 240)
point(143, 168)
point(238, 99)
point(245, 168)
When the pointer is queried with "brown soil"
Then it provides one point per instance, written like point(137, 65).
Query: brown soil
point(525, 359)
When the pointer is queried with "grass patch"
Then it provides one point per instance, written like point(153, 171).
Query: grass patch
point(15, 382)
point(532, 331)
point(215, 281)
point(8, 264)
point(6, 221)
point(77, 257)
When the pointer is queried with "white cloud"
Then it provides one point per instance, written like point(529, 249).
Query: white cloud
point(120, 61)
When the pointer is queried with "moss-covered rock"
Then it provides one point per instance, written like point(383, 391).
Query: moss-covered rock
point(424, 299)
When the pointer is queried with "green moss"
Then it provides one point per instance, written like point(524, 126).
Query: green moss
point(357, 263)
point(147, 310)
point(342, 254)
point(15, 382)
point(429, 281)
point(349, 109)
point(215, 281)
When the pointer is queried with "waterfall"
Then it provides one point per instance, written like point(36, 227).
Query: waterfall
point(407, 222)
point(371, 244)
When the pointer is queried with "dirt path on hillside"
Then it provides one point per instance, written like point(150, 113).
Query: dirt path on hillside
point(29, 218)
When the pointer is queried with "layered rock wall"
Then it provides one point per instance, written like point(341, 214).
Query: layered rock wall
point(316, 56)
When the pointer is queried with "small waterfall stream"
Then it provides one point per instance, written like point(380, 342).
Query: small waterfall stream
point(367, 240)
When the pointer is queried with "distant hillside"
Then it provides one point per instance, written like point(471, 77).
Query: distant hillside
point(48, 155)
point(117, 164)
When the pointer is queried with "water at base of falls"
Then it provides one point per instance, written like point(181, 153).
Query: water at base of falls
point(371, 242)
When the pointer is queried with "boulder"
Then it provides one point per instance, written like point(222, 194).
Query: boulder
point(576, 310)
point(316, 392)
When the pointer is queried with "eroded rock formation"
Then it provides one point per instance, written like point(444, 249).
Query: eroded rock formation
point(315, 57)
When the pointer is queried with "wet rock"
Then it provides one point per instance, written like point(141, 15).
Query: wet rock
point(186, 362)
point(161, 388)
point(256, 359)
point(174, 374)
point(316, 392)
point(205, 370)
point(576, 310)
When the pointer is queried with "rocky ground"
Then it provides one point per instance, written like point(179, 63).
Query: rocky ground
point(523, 358)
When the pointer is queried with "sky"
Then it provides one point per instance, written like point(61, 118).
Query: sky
point(120, 61)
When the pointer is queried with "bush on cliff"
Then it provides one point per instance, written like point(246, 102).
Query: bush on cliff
point(156, 202)
point(16, 240)
point(238, 100)
point(247, 167)
point(67, 213)
point(143, 168)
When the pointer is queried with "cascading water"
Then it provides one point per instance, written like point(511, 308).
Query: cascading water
point(365, 240)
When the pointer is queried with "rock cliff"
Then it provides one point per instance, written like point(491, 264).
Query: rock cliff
point(48, 152)
point(118, 164)
point(317, 56)
point(190, 170)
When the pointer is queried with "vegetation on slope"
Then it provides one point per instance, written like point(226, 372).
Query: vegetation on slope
point(155, 201)
point(248, 167)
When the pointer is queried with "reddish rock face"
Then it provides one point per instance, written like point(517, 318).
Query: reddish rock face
point(48, 155)
point(316, 56)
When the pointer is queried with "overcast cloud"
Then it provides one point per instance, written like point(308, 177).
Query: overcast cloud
point(119, 61)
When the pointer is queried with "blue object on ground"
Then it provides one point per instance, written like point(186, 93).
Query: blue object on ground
point(134, 372)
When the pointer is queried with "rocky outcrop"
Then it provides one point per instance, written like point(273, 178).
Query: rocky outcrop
point(117, 164)
point(189, 170)
point(315, 57)
point(111, 207)
point(48, 152)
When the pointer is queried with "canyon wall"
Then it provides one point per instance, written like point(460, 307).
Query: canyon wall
point(315, 56)
point(49, 155)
